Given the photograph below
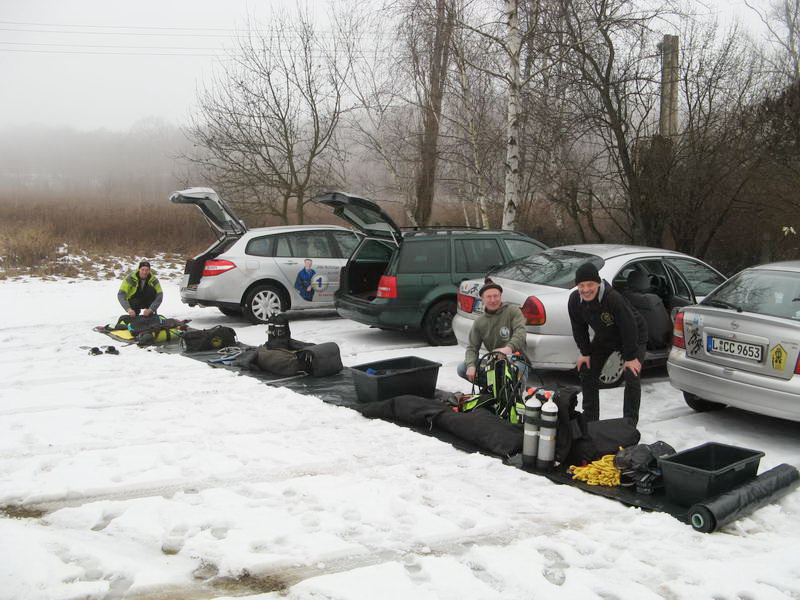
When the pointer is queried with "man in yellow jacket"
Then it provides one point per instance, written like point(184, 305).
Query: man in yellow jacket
point(140, 291)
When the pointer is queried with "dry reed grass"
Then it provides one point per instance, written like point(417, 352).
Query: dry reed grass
point(35, 235)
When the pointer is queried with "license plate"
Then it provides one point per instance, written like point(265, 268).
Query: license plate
point(715, 345)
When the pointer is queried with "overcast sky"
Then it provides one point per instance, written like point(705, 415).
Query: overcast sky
point(90, 64)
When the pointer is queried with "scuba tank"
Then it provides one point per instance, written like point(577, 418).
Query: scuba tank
point(530, 439)
point(546, 454)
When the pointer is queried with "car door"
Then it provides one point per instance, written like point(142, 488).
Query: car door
point(702, 278)
point(665, 282)
point(297, 250)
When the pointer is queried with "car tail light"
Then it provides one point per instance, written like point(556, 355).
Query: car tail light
point(533, 311)
point(677, 332)
point(217, 267)
point(797, 367)
point(465, 303)
point(387, 287)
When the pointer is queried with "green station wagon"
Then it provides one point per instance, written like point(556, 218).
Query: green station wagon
point(408, 279)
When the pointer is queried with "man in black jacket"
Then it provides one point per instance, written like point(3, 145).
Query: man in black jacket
point(616, 326)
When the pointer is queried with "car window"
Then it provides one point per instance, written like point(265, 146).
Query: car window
point(765, 292)
point(304, 244)
point(477, 255)
point(347, 241)
point(261, 246)
point(374, 251)
point(519, 248)
point(620, 280)
point(680, 287)
point(702, 278)
point(425, 256)
point(550, 267)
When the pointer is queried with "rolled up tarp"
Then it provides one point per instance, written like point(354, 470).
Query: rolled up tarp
point(716, 512)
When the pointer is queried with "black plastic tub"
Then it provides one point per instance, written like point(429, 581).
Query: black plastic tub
point(707, 470)
point(394, 377)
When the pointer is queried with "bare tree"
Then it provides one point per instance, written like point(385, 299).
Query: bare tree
point(611, 54)
point(782, 20)
point(427, 29)
point(720, 147)
point(266, 123)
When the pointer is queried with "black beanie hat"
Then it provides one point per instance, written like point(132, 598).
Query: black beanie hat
point(488, 284)
point(144, 263)
point(587, 272)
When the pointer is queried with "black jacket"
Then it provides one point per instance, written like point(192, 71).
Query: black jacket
point(616, 325)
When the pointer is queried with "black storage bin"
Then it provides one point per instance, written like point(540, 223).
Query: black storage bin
point(395, 377)
point(707, 470)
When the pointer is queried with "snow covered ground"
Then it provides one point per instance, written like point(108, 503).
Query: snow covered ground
point(148, 475)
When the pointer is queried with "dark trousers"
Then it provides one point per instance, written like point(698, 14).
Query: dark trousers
point(591, 388)
point(139, 304)
point(142, 299)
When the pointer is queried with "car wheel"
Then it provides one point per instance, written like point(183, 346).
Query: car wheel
point(263, 301)
point(230, 312)
point(438, 324)
point(699, 404)
point(612, 371)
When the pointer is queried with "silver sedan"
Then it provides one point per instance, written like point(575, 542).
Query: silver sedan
point(541, 284)
point(741, 345)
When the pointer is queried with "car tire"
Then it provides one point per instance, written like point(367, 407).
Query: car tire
point(438, 324)
point(700, 405)
point(263, 301)
point(230, 312)
point(612, 372)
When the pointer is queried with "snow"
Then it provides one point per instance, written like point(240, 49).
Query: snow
point(155, 475)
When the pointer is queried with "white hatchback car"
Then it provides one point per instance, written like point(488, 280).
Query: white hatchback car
point(264, 271)
point(741, 345)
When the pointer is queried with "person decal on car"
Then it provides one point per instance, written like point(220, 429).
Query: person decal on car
point(617, 327)
point(140, 291)
point(303, 282)
point(501, 328)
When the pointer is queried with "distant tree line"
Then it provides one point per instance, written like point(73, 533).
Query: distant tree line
point(536, 114)
point(540, 115)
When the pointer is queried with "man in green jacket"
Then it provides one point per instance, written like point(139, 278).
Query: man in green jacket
point(140, 291)
point(501, 328)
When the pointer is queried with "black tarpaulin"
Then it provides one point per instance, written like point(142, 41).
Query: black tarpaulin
point(501, 439)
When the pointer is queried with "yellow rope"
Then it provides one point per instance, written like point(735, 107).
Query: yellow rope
point(600, 472)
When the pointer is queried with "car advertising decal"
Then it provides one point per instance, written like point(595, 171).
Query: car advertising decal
point(312, 284)
point(778, 357)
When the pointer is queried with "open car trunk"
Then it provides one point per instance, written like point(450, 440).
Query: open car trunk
point(225, 224)
point(361, 275)
point(194, 266)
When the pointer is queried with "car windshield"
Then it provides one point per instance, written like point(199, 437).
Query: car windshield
point(766, 292)
point(552, 267)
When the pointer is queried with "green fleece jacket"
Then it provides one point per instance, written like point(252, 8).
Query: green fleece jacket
point(504, 327)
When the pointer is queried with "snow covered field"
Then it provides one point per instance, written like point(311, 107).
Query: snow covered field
point(148, 475)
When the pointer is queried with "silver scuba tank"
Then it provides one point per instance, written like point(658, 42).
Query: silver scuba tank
point(546, 454)
point(530, 439)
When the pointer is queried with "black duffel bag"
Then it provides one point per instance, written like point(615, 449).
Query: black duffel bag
point(321, 360)
point(208, 339)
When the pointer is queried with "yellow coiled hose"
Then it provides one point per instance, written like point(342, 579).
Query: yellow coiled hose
point(599, 472)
